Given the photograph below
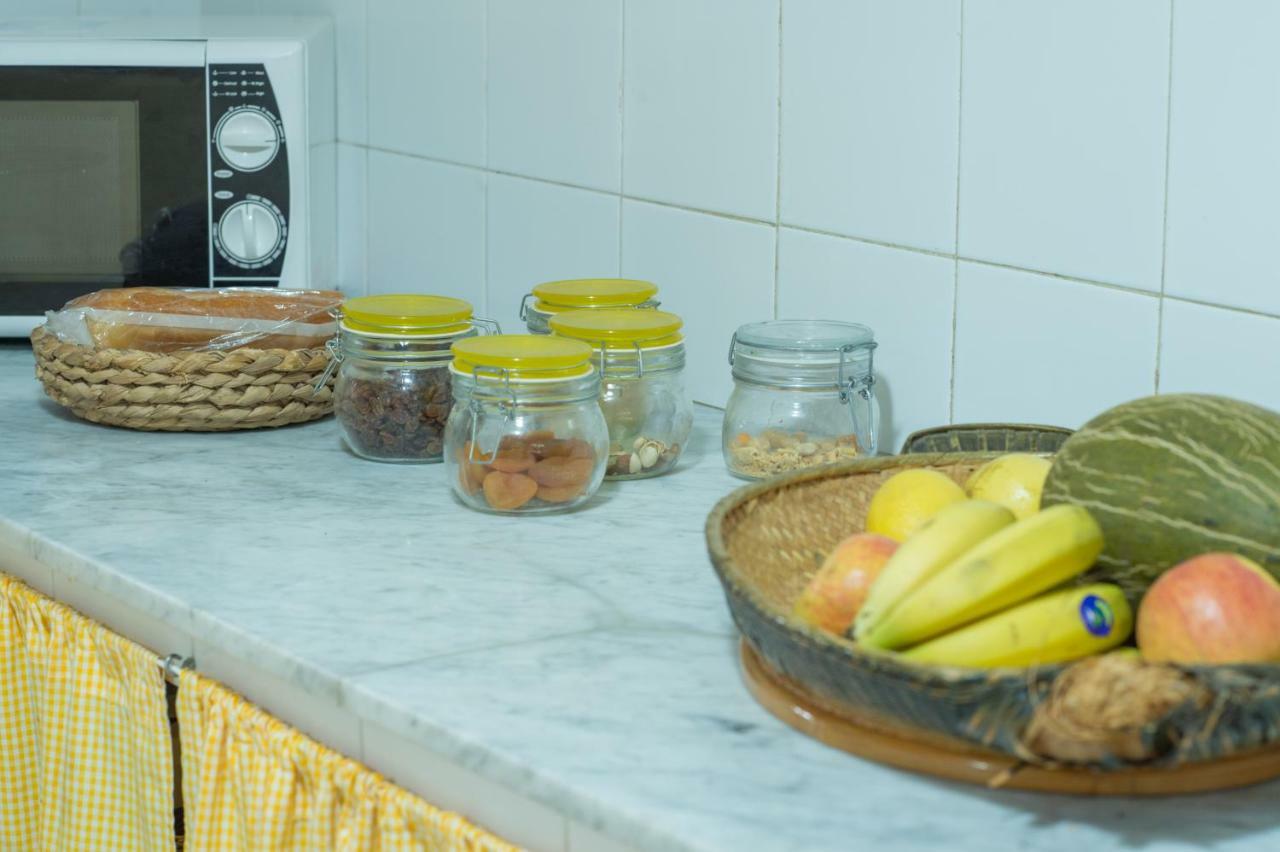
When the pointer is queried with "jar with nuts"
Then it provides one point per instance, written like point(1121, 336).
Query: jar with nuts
point(583, 294)
point(526, 434)
point(803, 396)
point(392, 394)
point(640, 355)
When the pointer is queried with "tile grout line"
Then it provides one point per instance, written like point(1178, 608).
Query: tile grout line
point(1164, 229)
point(955, 268)
point(368, 168)
point(622, 123)
point(485, 183)
point(777, 186)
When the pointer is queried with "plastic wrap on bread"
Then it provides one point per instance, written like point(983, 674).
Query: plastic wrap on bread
point(160, 319)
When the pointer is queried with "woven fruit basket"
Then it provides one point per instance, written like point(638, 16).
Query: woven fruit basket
point(200, 391)
point(767, 539)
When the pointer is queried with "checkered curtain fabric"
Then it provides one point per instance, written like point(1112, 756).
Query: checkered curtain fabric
point(250, 782)
point(85, 758)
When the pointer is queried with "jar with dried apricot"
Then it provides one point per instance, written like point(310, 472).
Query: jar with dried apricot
point(526, 434)
point(640, 355)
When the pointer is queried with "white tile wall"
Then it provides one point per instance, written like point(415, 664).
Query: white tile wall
point(555, 68)
point(1036, 349)
point(1224, 172)
point(426, 78)
point(500, 143)
point(715, 272)
point(541, 232)
point(1212, 350)
point(701, 103)
point(905, 296)
point(860, 157)
point(426, 227)
point(1063, 120)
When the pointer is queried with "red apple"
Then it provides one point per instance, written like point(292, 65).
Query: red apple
point(1215, 608)
point(836, 593)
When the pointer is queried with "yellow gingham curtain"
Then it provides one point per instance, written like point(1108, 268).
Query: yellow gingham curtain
point(85, 757)
point(251, 782)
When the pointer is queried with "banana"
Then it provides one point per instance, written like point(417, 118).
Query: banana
point(945, 537)
point(1053, 628)
point(1016, 563)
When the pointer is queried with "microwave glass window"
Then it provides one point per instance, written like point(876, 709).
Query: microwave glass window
point(70, 197)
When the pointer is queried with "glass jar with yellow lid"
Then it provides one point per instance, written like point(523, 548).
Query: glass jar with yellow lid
point(392, 396)
point(526, 434)
point(640, 356)
point(579, 294)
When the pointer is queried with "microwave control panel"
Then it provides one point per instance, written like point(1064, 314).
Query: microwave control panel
point(248, 176)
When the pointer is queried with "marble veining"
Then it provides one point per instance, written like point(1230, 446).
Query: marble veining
point(585, 660)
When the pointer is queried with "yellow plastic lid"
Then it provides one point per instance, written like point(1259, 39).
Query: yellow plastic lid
point(523, 356)
point(406, 314)
point(620, 328)
point(555, 296)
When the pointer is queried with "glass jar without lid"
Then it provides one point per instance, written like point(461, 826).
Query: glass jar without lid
point(640, 356)
point(583, 294)
point(526, 434)
point(803, 395)
point(392, 395)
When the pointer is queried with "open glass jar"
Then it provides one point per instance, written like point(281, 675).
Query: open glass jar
point(579, 294)
point(803, 395)
point(392, 395)
point(640, 355)
point(526, 434)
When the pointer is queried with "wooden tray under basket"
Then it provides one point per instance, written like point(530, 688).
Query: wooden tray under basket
point(210, 391)
point(767, 539)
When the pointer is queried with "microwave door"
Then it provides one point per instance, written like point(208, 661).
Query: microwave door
point(103, 173)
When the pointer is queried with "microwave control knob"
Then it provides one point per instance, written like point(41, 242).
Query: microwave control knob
point(249, 232)
point(247, 139)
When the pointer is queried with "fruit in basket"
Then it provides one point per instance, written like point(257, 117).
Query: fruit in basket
point(1215, 608)
point(1053, 628)
point(906, 500)
point(1014, 480)
point(836, 593)
point(943, 538)
point(1018, 562)
point(1171, 477)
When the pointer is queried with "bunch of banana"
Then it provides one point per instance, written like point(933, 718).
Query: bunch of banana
point(963, 590)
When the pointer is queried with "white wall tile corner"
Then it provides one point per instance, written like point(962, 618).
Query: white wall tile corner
point(1224, 175)
point(1219, 351)
point(426, 78)
point(716, 273)
point(426, 228)
point(906, 297)
point(1035, 349)
point(544, 232)
point(700, 104)
point(1062, 142)
point(870, 119)
point(353, 218)
point(554, 78)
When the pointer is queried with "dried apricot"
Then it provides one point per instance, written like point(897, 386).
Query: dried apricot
point(559, 471)
point(563, 494)
point(513, 458)
point(471, 472)
point(506, 491)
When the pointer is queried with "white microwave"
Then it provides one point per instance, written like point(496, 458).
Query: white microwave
point(173, 152)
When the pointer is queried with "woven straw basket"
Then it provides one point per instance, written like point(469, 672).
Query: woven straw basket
point(184, 391)
point(767, 539)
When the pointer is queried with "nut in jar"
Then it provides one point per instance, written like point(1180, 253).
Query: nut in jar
point(526, 434)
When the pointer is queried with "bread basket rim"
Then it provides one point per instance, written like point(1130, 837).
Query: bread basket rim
point(40, 333)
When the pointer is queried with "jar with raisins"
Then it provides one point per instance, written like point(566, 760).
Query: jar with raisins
point(583, 294)
point(392, 396)
point(526, 435)
point(640, 355)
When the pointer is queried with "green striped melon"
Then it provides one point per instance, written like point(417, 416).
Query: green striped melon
point(1171, 477)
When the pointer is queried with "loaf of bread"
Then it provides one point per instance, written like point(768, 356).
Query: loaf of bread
point(157, 319)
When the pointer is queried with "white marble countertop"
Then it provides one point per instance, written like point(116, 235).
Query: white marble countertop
point(585, 661)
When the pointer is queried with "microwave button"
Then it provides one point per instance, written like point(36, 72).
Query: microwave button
point(222, 173)
point(247, 139)
point(249, 232)
point(223, 194)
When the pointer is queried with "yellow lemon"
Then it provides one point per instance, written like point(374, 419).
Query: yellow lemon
point(1014, 481)
point(908, 499)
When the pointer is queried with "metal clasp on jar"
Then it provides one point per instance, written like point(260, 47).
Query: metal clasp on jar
point(639, 372)
point(335, 358)
point(505, 407)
